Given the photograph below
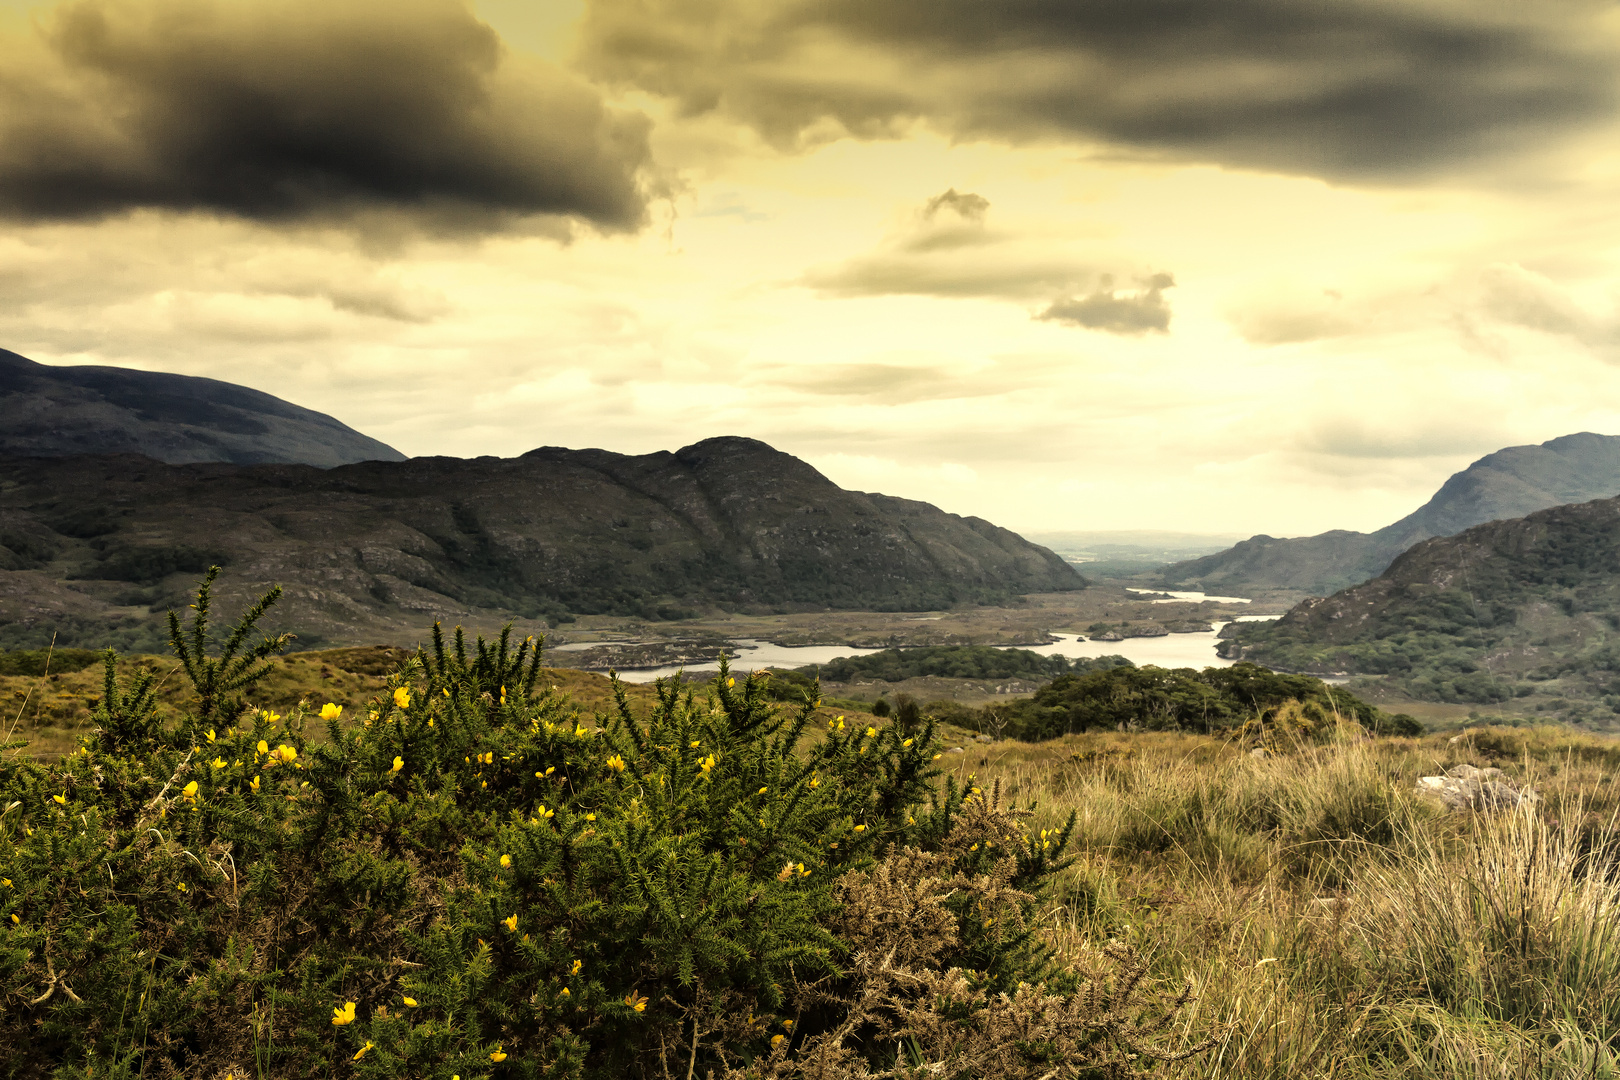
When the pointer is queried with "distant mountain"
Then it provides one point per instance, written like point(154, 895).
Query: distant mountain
point(1528, 607)
point(50, 411)
point(1507, 484)
point(372, 550)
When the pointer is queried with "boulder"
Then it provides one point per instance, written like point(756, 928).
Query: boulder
point(1468, 787)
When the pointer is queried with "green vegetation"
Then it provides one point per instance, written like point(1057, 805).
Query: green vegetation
point(1505, 611)
point(475, 879)
point(955, 662)
point(1212, 700)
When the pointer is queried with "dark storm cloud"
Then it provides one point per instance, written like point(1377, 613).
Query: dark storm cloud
point(1350, 88)
point(1118, 312)
point(306, 110)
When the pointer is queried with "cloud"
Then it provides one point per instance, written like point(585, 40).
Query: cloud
point(1118, 312)
point(307, 111)
point(1343, 88)
point(942, 252)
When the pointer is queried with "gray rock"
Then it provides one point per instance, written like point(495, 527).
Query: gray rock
point(1469, 788)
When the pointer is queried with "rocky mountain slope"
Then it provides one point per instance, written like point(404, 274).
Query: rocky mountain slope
point(1524, 608)
point(53, 411)
point(1507, 484)
point(376, 550)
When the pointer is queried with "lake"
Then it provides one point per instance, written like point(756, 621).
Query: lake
point(1174, 650)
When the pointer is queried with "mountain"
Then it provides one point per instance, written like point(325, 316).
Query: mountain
point(55, 411)
point(1507, 484)
point(382, 548)
point(1524, 608)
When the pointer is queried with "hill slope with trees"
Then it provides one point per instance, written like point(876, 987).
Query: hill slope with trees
point(1511, 609)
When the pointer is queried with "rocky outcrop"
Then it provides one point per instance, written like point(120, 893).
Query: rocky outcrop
point(1468, 787)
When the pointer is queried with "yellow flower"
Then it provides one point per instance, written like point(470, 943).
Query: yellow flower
point(218, 763)
point(254, 783)
point(61, 800)
point(399, 763)
point(511, 922)
point(181, 886)
point(565, 993)
point(636, 1001)
point(190, 790)
point(7, 883)
point(579, 965)
point(16, 920)
point(706, 764)
point(542, 812)
point(497, 1055)
point(815, 782)
point(938, 756)
point(762, 791)
point(729, 682)
point(329, 711)
point(409, 1001)
point(776, 1040)
point(264, 747)
point(286, 753)
point(908, 742)
point(506, 862)
point(616, 762)
point(590, 817)
point(270, 717)
point(402, 697)
point(871, 732)
point(362, 1051)
point(860, 828)
point(344, 1015)
point(210, 734)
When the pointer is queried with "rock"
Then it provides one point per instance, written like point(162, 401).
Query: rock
point(1107, 635)
point(1470, 772)
point(1467, 787)
point(956, 750)
point(983, 738)
point(1260, 752)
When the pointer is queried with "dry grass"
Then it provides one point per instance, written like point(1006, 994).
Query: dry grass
point(1342, 926)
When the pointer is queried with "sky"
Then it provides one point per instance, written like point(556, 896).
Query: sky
point(1251, 266)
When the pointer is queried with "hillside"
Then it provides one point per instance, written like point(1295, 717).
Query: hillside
point(1507, 484)
point(377, 550)
point(1527, 608)
point(54, 411)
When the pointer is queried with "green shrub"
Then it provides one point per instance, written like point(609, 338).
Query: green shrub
point(474, 879)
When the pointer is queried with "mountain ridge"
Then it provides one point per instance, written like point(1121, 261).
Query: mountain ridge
point(1508, 483)
point(728, 523)
point(50, 411)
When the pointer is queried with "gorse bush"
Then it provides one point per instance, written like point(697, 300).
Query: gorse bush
point(470, 878)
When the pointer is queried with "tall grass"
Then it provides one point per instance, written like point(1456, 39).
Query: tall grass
point(1336, 923)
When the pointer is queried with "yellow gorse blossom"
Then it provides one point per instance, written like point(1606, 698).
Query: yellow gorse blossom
point(510, 922)
point(616, 762)
point(579, 965)
point(506, 862)
point(410, 1002)
point(707, 764)
point(542, 813)
point(344, 1015)
point(263, 747)
point(402, 697)
point(636, 1001)
point(908, 742)
point(399, 763)
point(565, 992)
point(218, 763)
point(210, 734)
point(331, 711)
point(362, 1051)
point(61, 800)
point(871, 733)
point(254, 783)
point(776, 1040)
point(497, 1055)
point(190, 790)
